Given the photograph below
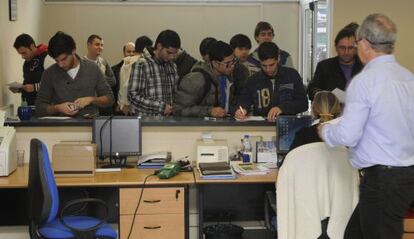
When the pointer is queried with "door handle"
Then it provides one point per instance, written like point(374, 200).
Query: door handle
point(152, 228)
point(152, 201)
point(177, 193)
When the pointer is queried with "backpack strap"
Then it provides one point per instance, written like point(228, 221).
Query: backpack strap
point(208, 81)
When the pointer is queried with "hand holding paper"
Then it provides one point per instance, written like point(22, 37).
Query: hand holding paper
point(15, 85)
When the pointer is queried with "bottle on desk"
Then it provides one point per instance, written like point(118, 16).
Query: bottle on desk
point(247, 149)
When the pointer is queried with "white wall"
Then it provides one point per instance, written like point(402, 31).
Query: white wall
point(122, 22)
point(118, 23)
point(29, 14)
point(400, 11)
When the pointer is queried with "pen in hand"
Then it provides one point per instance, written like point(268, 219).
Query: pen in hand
point(242, 110)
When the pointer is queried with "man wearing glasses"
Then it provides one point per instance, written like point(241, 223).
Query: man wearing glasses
point(72, 86)
point(337, 72)
point(207, 90)
point(274, 90)
point(377, 126)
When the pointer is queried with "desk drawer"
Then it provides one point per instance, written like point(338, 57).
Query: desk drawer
point(161, 226)
point(154, 200)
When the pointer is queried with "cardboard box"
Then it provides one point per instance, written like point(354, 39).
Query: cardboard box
point(74, 159)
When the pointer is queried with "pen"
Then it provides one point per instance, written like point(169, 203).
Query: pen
point(241, 109)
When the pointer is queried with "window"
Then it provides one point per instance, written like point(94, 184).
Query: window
point(315, 31)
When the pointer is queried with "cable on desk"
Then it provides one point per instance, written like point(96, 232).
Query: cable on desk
point(194, 176)
point(139, 202)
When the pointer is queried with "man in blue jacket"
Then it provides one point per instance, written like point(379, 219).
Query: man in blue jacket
point(273, 90)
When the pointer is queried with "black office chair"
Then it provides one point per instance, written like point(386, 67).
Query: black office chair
point(44, 205)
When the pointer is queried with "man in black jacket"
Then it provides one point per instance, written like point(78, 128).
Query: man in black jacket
point(337, 72)
point(33, 66)
point(274, 90)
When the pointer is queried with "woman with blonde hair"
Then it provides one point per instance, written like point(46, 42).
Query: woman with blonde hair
point(325, 107)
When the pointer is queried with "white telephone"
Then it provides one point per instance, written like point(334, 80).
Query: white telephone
point(162, 156)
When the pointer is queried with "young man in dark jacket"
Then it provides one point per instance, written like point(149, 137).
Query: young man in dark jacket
point(274, 90)
point(33, 66)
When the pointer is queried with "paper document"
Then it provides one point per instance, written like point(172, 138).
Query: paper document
point(250, 169)
point(340, 94)
point(56, 117)
point(252, 118)
point(16, 85)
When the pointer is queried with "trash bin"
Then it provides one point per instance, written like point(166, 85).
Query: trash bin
point(223, 231)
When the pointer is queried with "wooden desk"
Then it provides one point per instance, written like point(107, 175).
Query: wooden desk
point(127, 177)
point(128, 182)
point(167, 199)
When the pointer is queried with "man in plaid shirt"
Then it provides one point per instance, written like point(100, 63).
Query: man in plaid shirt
point(152, 82)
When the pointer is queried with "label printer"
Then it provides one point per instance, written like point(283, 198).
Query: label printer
point(210, 151)
point(8, 157)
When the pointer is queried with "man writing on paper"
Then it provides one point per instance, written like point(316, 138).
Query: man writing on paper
point(273, 90)
point(378, 127)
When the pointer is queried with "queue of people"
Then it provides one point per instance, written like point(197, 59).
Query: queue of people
point(162, 79)
point(155, 79)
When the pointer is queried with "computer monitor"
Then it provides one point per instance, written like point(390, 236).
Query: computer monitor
point(117, 137)
point(286, 128)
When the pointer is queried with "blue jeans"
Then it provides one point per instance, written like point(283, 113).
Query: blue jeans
point(385, 195)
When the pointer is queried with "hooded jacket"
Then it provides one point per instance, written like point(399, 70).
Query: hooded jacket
point(32, 73)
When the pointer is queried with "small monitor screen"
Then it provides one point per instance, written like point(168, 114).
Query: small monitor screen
point(286, 128)
point(121, 136)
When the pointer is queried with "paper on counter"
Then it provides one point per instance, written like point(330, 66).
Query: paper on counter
point(15, 84)
point(56, 117)
point(252, 118)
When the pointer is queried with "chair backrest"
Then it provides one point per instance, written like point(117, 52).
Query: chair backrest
point(315, 182)
point(43, 194)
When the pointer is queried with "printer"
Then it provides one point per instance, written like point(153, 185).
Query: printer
point(8, 157)
point(212, 150)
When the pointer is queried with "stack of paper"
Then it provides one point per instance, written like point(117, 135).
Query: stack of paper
point(216, 170)
point(250, 169)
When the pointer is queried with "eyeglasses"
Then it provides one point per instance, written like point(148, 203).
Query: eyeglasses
point(345, 48)
point(229, 63)
point(376, 43)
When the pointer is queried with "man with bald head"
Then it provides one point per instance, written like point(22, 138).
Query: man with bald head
point(128, 50)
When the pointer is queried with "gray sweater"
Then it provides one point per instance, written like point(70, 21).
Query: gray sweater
point(57, 86)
